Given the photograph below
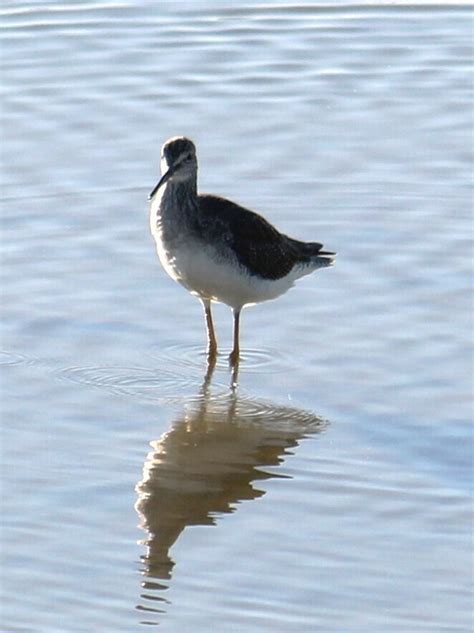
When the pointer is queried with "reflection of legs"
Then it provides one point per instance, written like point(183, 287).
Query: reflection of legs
point(234, 356)
point(211, 336)
point(211, 364)
point(234, 379)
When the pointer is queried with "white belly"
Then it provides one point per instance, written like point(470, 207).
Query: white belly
point(207, 276)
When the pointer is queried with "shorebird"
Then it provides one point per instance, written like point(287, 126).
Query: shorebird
point(218, 250)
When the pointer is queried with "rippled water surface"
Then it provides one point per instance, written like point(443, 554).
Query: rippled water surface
point(331, 489)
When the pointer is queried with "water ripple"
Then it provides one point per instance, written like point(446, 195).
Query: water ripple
point(143, 383)
point(194, 356)
point(250, 410)
point(14, 358)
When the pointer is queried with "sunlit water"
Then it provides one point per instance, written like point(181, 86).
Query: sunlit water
point(331, 489)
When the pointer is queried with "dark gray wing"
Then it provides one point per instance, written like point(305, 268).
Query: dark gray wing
point(258, 245)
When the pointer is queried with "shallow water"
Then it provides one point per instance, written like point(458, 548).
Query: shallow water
point(332, 489)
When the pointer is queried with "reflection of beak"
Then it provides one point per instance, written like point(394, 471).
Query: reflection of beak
point(166, 176)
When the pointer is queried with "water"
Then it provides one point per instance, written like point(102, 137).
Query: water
point(331, 491)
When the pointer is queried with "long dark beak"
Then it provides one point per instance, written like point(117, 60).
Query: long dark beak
point(162, 181)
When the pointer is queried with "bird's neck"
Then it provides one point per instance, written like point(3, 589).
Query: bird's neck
point(174, 207)
point(179, 196)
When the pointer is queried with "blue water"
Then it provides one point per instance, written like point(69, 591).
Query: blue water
point(332, 489)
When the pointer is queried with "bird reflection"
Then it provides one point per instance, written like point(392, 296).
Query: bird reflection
point(205, 465)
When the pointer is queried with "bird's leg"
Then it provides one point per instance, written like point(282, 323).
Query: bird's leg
point(234, 355)
point(211, 335)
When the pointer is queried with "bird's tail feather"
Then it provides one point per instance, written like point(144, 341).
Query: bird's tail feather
point(323, 259)
point(311, 254)
point(318, 257)
point(326, 258)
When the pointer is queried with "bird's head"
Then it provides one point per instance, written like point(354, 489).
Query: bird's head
point(178, 162)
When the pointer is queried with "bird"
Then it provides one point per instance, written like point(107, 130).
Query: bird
point(218, 250)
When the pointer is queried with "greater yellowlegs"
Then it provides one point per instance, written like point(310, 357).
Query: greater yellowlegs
point(218, 250)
